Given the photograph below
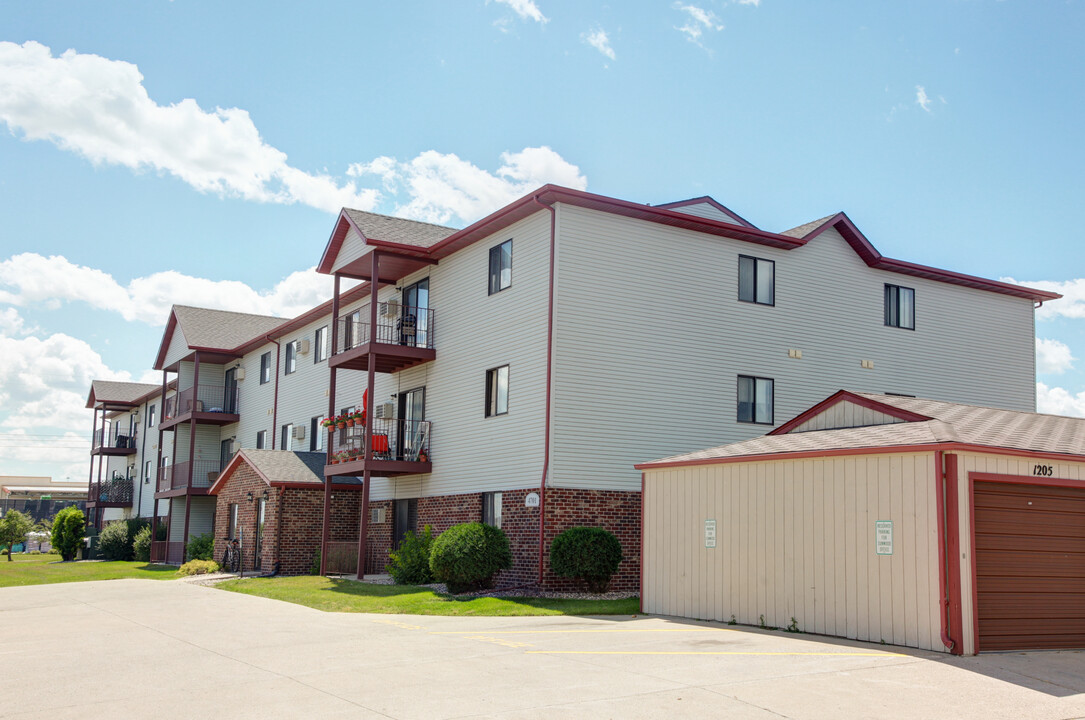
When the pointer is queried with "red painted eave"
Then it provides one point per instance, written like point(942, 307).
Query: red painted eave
point(840, 396)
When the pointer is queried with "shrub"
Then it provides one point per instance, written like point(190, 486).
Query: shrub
point(200, 547)
point(198, 567)
point(590, 554)
point(141, 544)
point(409, 563)
point(466, 557)
point(114, 543)
point(314, 566)
point(67, 532)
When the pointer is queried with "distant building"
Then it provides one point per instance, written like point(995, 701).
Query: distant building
point(39, 497)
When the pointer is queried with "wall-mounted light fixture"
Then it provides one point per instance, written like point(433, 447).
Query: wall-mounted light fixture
point(250, 497)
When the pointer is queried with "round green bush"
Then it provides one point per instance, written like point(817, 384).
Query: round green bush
point(113, 542)
point(466, 557)
point(590, 554)
point(141, 544)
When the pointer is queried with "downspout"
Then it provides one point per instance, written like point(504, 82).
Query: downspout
point(275, 403)
point(549, 374)
point(943, 596)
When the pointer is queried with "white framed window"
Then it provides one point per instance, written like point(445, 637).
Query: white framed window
point(755, 399)
point(491, 508)
point(900, 307)
point(320, 345)
point(291, 364)
point(316, 437)
point(287, 437)
point(265, 368)
point(497, 391)
point(756, 280)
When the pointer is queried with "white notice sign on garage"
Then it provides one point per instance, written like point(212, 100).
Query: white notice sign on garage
point(710, 533)
point(883, 537)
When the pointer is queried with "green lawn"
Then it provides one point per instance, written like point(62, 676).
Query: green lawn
point(350, 596)
point(46, 569)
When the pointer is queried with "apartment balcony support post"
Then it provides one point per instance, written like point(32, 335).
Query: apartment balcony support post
point(371, 372)
point(191, 444)
point(325, 531)
point(158, 463)
point(98, 510)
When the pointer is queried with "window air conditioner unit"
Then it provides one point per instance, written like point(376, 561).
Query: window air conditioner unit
point(299, 432)
point(376, 516)
point(303, 347)
point(240, 375)
point(384, 411)
point(390, 308)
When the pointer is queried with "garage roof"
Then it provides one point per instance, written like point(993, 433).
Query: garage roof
point(904, 422)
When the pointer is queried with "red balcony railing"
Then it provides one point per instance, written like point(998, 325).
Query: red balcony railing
point(117, 490)
point(175, 477)
point(393, 439)
point(167, 552)
point(408, 326)
point(117, 436)
point(205, 399)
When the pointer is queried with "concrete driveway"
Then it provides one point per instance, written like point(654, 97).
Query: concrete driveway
point(174, 650)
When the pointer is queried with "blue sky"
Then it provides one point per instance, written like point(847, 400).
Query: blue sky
point(195, 152)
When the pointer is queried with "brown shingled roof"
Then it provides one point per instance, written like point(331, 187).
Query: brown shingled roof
point(221, 329)
point(948, 423)
point(807, 228)
point(121, 393)
point(397, 230)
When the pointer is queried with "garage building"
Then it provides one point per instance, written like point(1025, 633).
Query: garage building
point(882, 518)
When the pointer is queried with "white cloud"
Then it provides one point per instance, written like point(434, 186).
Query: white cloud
point(697, 23)
point(444, 186)
point(31, 279)
point(1057, 401)
point(921, 98)
point(526, 9)
point(755, 3)
point(1053, 357)
point(1070, 305)
point(99, 109)
point(598, 39)
point(11, 323)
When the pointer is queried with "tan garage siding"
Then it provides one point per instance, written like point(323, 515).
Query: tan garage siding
point(1009, 465)
point(795, 539)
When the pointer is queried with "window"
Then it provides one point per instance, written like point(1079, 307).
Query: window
point(352, 330)
point(261, 439)
point(226, 453)
point(900, 307)
point(320, 345)
point(147, 472)
point(231, 520)
point(497, 391)
point(150, 416)
point(756, 280)
point(316, 438)
point(755, 400)
point(287, 437)
point(491, 508)
point(500, 267)
point(265, 368)
point(291, 357)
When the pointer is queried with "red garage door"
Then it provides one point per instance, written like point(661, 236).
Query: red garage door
point(1030, 566)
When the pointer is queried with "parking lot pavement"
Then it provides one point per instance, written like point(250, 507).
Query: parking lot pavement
point(170, 649)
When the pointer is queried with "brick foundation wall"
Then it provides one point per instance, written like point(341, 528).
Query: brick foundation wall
point(303, 520)
point(618, 512)
point(243, 481)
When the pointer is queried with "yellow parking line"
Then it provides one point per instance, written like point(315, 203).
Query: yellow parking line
point(539, 632)
point(682, 652)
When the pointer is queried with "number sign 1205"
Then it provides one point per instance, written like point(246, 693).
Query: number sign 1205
point(1044, 470)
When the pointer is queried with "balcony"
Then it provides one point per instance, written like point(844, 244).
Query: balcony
point(207, 404)
point(117, 441)
point(173, 479)
point(403, 338)
point(400, 447)
point(116, 492)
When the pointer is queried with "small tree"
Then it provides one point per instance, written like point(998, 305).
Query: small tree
point(14, 528)
point(67, 535)
point(590, 554)
point(141, 544)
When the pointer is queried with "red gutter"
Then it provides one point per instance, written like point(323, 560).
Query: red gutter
point(953, 556)
point(275, 406)
point(549, 374)
point(943, 598)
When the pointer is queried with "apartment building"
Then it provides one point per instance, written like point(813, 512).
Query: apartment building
point(515, 370)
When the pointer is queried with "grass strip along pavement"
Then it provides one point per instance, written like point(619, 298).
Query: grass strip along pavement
point(46, 569)
point(332, 595)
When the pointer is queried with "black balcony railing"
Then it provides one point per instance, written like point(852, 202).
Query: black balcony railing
point(408, 326)
point(208, 399)
point(116, 437)
point(175, 477)
point(393, 439)
point(117, 490)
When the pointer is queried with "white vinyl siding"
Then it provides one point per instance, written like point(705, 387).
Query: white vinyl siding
point(706, 210)
point(353, 247)
point(845, 414)
point(648, 341)
point(199, 520)
point(178, 348)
